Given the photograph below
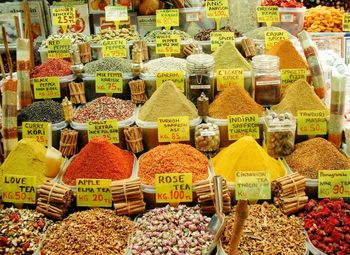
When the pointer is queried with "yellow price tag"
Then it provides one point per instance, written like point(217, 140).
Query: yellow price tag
point(47, 87)
point(289, 76)
point(268, 14)
point(116, 13)
point(243, 125)
point(36, 130)
point(217, 39)
point(346, 22)
point(178, 77)
point(94, 192)
point(104, 128)
point(253, 185)
point(229, 77)
point(174, 188)
point(63, 16)
point(59, 48)
point(217, 9)
point(167, 18)
point(168, 44)
point(109, 82)
point(173, 129)
point(333, 183)
point(114, 48)
point(312, 123)
point(18, 189)
point(274, 37)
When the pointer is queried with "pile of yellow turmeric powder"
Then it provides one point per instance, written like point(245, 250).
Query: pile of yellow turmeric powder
point(245, 155)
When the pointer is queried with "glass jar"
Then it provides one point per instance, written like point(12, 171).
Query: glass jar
point(201, 76)
point(207, 137)
point(267, 80)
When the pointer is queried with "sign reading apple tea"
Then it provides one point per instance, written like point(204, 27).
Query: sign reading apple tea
point(18, 189)
point(94, 192)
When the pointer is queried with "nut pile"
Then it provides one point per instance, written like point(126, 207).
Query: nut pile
point(204, 35)
point(267, 231)
point(171, 231)
point(280, 134)
point(21, 231)
point(109, 34)
point(104, 108)
point(108, 64)
point(328, 225)
point(151, 36)
point(207, 137)
point(93, 232)
point(75, 38)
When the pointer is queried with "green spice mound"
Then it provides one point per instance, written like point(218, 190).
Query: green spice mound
point(299, 96)
point(108, 64)
point(227, 57)
point(167, 101)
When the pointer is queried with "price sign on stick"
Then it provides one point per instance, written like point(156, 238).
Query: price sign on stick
point(103, 128)
point(289, 76)
point(109, 82)
point(94, 192)
point(243, 125)
point(47, 87)
point(168, 44)
point(253, 185)
point(175, 76)
point(116, 13)
point(333, 183)
point(312, 123)
point(217, 9)
point(36, 130)
point(64, 17)
point(217, 39)
point(114, 48)
point(274, 37)
point(173, 129)
point(268, 14)
point(18, 189)
point(59, 48)
point(346, 22)
point(173, 187)
point(167, 18)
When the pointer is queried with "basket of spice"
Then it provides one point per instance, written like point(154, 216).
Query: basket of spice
point(107, 64)
point(103, 108)
point(99, 159)
point(313, 155)
point(167, 101)
point(170, 158)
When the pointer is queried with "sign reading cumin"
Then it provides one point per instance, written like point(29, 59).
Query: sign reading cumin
point(243, 125)
point(333, 183)
point(173, 129)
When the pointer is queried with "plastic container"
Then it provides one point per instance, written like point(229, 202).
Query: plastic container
point(90, 88)
point(64, 82)
point(248, 83)
point(193, 20)
point(150, 133)
point(56, 133)
point(291, 19)
point(222, 123)
point(83, 134)
point(313, 250)
point(207, 137)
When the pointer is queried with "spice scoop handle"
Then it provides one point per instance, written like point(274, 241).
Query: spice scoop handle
point(217, 180)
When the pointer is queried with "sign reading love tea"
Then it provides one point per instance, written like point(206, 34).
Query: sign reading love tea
point(94, 192)
point(18, 189)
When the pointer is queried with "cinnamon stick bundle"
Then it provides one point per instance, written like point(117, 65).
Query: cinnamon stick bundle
point(85, 53)
point(130, 208)
point(77, 93)
point(68, 142)
point(133, 137)
point(138, 91)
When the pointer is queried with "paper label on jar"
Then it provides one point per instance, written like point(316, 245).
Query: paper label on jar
point(243, 125)
point(38, 131)
point(178, 77)
point(168, 44)
point(116, 13)
point(217, 9)
point(173, 187)
point(217, 39)
point(287, 17)
point(63, 16)
point(346, 22)
point(173, 129)
point(268, 14)
point(167, 18)
point(19, 189)
point(312, 122)
point(94, 192)
point(109, 82)
point(253, 185)
point(274, 37)
point(47, 87)
point(192, 17)
point(114, 48)
point(333, 183)
point(270, 82)
point(59, 48)
point(107, 129)
point(207, 133)
point(229, 77)
point(200, 86)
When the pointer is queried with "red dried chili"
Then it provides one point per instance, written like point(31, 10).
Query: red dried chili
point(99, 159)
point(282, 3)
point(52, 67)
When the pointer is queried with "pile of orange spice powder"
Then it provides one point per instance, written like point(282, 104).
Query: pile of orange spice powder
point(99, 159)
point(172, 158)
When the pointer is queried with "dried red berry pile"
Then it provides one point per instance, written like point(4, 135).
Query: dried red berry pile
point(52, 67)
point(282, 3)
point(328, 225)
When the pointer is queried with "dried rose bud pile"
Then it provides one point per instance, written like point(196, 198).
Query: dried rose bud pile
point(21, 231)
point(172, 231)
point(328, 225)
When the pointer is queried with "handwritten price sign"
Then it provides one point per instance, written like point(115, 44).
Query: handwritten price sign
point(167, 18)
point(333, 183)
point(268, 14)
point(47, 88)
point(114, 48)
point(175, 76)
point(36, 130)
point(94, 192)
point(217, 9)
point(109, 82)
point(63, 16)
point(174, 188)
point(168, 44)
point(18, 189)
point(346, 22)
point(217, 39)
point(243, 125)
point(312, 123)
point(107, 129)
point(174, 129)
point(59, 48)
point(229, 77)
point(274, 37)
point(253, 185)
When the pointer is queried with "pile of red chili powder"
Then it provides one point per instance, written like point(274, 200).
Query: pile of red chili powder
point(52, 67)
point(99, 159)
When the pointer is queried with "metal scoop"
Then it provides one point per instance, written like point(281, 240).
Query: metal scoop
point(217, 223)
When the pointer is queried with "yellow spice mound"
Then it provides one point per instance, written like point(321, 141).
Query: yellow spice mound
point(245, 155)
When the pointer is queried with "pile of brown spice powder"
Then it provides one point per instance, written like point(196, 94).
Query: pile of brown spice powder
point(316, 154)
point(231, 101)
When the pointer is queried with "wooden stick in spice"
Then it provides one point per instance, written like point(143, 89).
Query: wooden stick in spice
point(7, 50)
point(242, 212)
point(18, 28)
point(28, 31)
